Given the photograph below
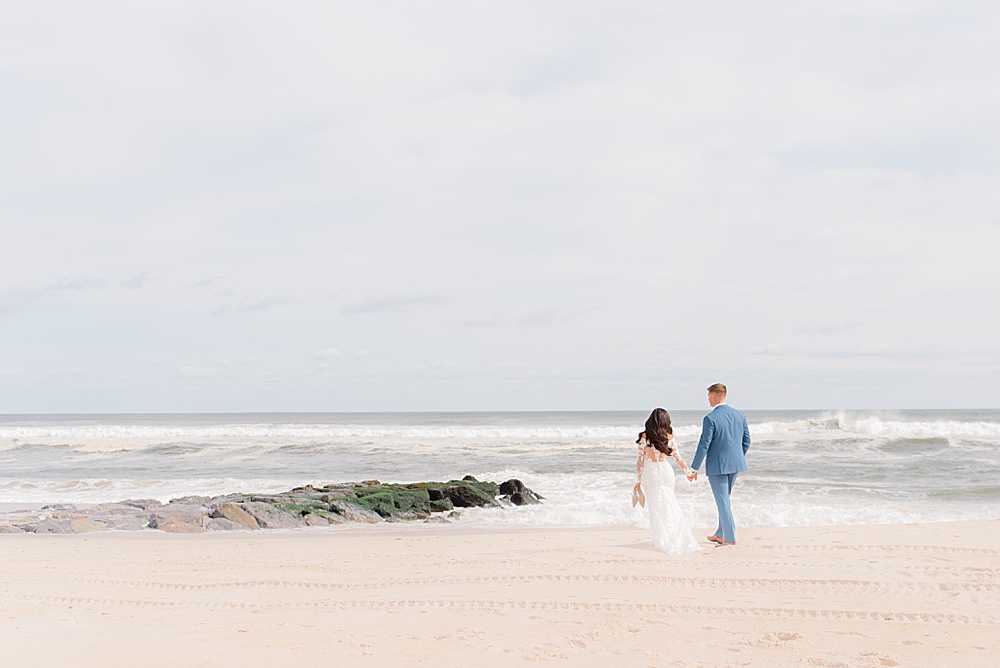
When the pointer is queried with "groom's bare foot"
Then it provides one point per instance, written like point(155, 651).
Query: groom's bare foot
point(722, 544)
point(715, 539)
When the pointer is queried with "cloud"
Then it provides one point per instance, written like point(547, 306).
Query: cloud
point(828, 327)
point(204, 283)
point(550, 316)
point(484, 321)
point(247, 306)
point(65, 371)
point(78, 284)
point(879, 350)
point(712, 183)
point(199, 371)
point(17, 298)
point(136, 282)
point(392, 304)
point(327, 353)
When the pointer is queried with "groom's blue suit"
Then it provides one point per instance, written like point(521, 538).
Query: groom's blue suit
point(725, 439)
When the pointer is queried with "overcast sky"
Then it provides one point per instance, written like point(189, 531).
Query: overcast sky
point(328, 206)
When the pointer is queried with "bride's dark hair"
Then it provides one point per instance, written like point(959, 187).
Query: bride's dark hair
point(657, 427)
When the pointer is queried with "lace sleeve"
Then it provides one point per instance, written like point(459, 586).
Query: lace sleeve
point(638, 464)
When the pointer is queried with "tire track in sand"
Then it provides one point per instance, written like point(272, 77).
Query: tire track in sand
point(513, 604)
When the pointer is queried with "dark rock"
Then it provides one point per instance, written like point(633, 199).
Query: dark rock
point(441, 505)
point(6, 528)
point(469, 494)
point(514, 491)
point(469, 478)
point(511, 486)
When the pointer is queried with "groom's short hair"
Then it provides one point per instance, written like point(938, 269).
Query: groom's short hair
point(718, 388)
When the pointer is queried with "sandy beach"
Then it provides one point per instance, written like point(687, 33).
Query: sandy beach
point(907, 595)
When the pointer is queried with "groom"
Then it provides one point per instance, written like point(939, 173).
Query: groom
point(725, 439)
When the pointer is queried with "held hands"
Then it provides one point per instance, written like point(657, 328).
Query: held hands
point(692, 475)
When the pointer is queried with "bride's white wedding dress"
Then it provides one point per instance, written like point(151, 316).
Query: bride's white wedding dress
point(671, 532)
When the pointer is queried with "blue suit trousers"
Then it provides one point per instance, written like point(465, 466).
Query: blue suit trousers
point(722, 487)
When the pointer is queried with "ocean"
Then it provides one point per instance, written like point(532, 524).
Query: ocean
point(807, 468)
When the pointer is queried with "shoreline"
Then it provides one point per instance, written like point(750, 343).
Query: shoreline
point(855, 595)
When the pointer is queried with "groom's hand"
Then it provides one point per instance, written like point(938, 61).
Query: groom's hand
point(692, 476)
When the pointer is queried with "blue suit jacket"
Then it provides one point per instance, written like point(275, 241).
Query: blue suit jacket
point(725, 439)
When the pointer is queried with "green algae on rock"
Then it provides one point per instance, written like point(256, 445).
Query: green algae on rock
point(369, 501)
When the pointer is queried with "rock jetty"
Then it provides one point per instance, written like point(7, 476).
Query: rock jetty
point(365, 502)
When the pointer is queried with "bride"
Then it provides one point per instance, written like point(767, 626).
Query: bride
point(655, 486)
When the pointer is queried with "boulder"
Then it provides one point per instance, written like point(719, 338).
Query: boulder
point(85, 525)
point(272, 517)
point(126, 523)
point(441, 505)
point(315, 520)
point(191, 500)
point(142, 504)
point(470, 493)
point(117, 509)
point(366, 502)
point(514, 491)
point(233, 513)
point(395, 501)
point(183, 513)
point(352, 512)
point(328, 515)
point(179, 527)
point(222, 524)
point(49, 526)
